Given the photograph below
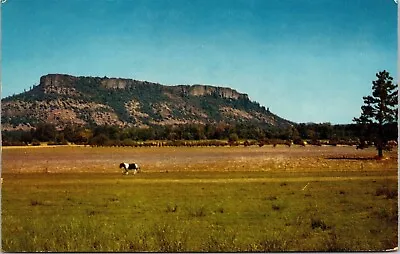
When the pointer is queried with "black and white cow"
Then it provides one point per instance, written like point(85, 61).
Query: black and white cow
point(129, 166)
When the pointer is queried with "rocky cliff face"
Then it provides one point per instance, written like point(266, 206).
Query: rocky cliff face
point(58, 84)
point(115, 83)
point(64, 99)
point(194, 90)
point(203, 90)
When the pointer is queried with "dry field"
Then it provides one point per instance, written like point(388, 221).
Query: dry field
point(198, 199)
point(183, 159)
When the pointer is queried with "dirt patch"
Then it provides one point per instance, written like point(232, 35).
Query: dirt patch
point(168, 159)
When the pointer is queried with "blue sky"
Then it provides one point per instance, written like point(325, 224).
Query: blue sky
point(307, 60)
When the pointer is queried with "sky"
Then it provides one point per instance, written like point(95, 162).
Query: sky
point(306, 60)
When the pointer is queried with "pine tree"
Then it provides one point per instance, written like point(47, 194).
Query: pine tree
point(379, 109)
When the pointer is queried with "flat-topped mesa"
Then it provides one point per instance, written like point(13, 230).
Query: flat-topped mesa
point(65, 84)
point(50, 81)
point(83, 100)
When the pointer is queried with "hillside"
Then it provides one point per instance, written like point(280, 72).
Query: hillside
point(63, 99)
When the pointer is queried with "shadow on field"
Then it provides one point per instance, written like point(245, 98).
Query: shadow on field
point(352, 158)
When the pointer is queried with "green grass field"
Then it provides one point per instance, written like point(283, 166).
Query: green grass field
point(345, 204)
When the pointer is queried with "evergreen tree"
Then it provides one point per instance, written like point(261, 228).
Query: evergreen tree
point(379, 109)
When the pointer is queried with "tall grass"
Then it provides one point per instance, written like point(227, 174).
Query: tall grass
point(89, 213)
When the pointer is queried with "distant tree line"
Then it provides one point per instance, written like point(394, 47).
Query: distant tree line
point(108, 135)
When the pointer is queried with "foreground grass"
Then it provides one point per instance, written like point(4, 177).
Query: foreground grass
point(204, 211)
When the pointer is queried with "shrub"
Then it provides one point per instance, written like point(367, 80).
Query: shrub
point(276, 207)
point(99, 140)
point(298, 141)
point(220, 210)
point(35, 142)
point(315, 142)
point(233, 139)
point(128, 142)
point(52, 143)
point(171, 209)
point(318, 223)
point(13, 143)
point(36, 203)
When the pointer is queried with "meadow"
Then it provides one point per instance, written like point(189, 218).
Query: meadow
point(198, 199)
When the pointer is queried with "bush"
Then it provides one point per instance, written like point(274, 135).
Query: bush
point(99, 140)
point(316, 142)
point(128, 142)
point(276, 207)
point(35, 142)
point(171, 209)
point(300, 142)
point(52, 143)
point(288, 143)
point(36, 203)
point(233, 137)
point(318, 223)
point(13, 143)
